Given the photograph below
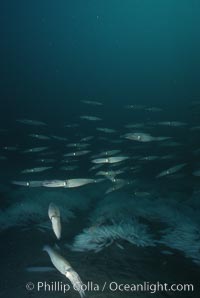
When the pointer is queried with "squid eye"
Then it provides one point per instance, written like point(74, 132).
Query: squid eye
point(67, 271)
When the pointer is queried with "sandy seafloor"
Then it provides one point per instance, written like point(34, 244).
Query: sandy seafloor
point(23, 248)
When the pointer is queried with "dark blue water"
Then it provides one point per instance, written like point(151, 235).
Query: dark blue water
point(137, 63)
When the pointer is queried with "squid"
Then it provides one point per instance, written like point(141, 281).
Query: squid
point(66, 269)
